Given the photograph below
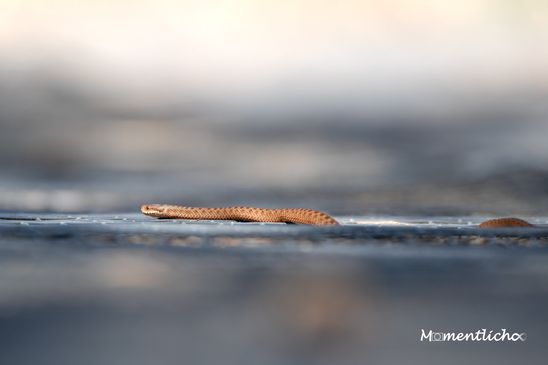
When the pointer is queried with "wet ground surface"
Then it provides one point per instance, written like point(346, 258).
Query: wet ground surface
point(128, 289)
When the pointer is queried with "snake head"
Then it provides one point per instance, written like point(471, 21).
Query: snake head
point(154, 210)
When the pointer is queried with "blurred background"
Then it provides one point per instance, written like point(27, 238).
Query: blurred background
point(356, 107)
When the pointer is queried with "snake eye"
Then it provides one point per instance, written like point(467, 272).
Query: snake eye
point(149, 209)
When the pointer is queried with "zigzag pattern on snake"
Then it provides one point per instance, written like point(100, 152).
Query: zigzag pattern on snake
point(505, 223)
point(285, 215)
point(241, 214)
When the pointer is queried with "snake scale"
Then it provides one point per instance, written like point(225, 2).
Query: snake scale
point(241, 214)
point(505, 223)
point(284, 215)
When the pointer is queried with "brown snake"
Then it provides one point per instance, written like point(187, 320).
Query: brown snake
point(242, 214)
point(285, 215)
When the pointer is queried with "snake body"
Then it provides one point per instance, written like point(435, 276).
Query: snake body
point(505, 223)
point(284, 215)
point(241, 214)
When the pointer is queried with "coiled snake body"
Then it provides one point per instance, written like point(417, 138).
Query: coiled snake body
point(505, 223)
point(242, 214)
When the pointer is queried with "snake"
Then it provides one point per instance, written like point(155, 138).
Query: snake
point(282, 215)
point(240, 214)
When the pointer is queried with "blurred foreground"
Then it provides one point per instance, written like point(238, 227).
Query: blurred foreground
point(128, 289)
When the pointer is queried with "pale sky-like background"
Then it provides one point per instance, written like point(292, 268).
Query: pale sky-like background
point(237, 53)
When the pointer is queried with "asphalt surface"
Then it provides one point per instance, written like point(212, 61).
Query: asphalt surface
point(128, 289)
